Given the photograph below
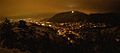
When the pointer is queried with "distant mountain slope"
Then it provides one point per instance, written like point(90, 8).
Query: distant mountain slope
point(71, 16)
point(76, 16)
point(107, 18)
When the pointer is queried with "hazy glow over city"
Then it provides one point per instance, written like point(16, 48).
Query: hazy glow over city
point(51, 7)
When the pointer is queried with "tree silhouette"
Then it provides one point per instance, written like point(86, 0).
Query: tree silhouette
point(22, 24)
point(5, 30)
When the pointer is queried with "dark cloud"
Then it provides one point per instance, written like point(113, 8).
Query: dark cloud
point(26, 7)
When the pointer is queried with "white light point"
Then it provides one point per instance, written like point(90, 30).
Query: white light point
point(42, 24)
point(72, 11)
point(36, 22)
point(50, 25)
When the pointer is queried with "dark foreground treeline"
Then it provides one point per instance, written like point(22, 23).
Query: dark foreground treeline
point(39, 39)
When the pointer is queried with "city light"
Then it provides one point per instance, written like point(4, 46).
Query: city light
point(71, 41)
point(36, 22)
point(50, 25)
point(43, 24)
point(117, 39)
point(68, 38)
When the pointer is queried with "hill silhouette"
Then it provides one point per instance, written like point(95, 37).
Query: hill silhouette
point(107, 18)
point(76, 16)
point(69, 16)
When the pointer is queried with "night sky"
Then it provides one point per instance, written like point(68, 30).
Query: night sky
point(51, 7)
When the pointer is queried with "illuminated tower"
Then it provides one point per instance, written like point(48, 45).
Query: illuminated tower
point(72, 11)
